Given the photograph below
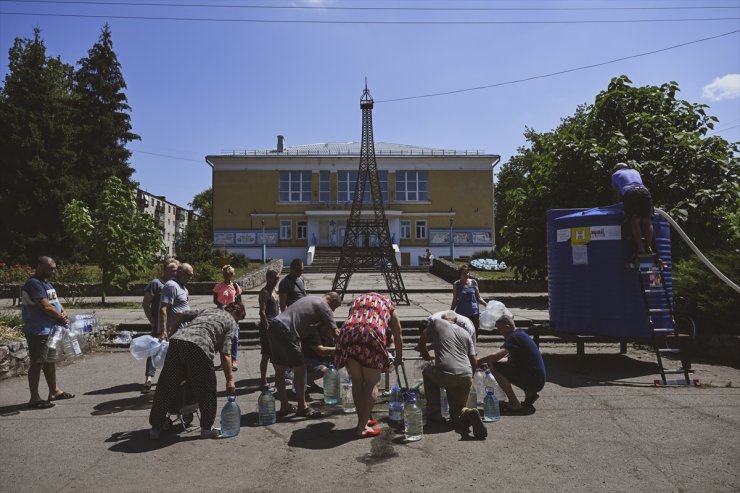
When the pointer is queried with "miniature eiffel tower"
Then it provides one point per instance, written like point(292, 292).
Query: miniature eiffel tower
point(367, 242)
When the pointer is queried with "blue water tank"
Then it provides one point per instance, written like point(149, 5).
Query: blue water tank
point(593, 287)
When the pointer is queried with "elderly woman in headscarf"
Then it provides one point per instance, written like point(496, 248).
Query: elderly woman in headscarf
point(362, 348)
point(190, 359)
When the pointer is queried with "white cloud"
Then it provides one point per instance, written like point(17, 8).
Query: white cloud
point(725, 87)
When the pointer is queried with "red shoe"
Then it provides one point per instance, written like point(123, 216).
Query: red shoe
point(370, 433)
point(372, 422)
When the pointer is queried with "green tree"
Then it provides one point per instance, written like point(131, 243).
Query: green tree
point(36, 138)
point(197, 240)
point(103, 120)
point(695, 177)
point(116, 234)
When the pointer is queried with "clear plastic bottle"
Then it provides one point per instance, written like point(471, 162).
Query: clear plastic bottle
point(331, 385)
point(491, 383)
point(444, 406)
point(54, 351)
point(266, 407)
point(491, 410)
point(71, 345)
point(231, 418)
point(395, 404)
point(421, 403)
point(472, 399)
point(348, 400)
point(479, 385)
point(413, 425)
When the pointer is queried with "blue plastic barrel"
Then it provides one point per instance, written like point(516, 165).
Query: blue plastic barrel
point(593, 288)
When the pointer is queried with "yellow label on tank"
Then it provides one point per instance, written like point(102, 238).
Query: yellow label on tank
point(580, 236)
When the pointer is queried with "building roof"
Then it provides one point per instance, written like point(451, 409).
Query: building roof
point(353, 149)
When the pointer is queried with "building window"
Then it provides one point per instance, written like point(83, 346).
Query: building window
point(324, 186)
point(405, 230)
point(421, 230)
point(301, 230)
point(412, 186)
point(295, 186)
point(347, 180)
point(286, 230)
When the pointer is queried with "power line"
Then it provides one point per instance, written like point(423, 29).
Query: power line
point(560, 72)
point(723, 129)
point(167, 156)
point(366, 22)
point(331, 7)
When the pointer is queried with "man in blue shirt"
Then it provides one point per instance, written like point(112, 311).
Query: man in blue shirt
point(638, 205)
point(519, 362)
point(173, 302)
point(41, 311)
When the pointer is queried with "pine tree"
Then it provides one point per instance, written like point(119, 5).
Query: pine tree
point(36, 135)
point(103, 119)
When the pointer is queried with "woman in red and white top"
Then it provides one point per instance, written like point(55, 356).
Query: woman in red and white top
point(224, 294)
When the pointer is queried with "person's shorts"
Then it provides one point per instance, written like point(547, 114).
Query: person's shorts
point(285, 345)
point(637, 202)
point(525, 380)
point(314, 367)
point(36, 348)
point(264, 343)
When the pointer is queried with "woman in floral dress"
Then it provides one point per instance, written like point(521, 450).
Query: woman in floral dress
point(362, 348)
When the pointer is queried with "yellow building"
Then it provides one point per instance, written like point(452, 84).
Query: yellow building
point(297, 199)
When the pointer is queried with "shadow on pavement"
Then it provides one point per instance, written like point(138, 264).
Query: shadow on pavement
point(15, 409)
point(138, 403)
point(317, 436)
point(119, 389)
point(137, 442)
point(589, 370)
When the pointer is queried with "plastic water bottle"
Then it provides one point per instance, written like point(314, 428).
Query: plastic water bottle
point(70, 344)
point(491, 383)
point(54, 349)
point(472, 399)
point(479, 385)
point(331, 385)
point(231, 418)
point(491, 410)
point(395, 404)
point(444, 406)
point(413, 426)
point(348, 400)
point(266, 407)
point(421, 403)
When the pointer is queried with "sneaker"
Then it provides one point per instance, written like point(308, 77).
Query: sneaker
point(212, 433)
point(154, 434)
point(479, 429)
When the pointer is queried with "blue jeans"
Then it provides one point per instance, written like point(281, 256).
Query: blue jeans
point(235, 344)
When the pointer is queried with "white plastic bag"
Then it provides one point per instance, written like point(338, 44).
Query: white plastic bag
point(143, 347)
point(494, 310)
point(159, 354)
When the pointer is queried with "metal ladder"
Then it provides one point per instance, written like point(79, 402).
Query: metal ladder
point(657, 305)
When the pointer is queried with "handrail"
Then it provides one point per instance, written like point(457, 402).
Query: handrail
point(696, 250)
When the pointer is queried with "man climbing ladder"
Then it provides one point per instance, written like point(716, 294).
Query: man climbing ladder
point(638, 205)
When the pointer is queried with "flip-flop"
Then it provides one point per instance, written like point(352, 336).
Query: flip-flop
point(506, 408)
point(40, 405)
point(372, 422)
point(61, 397)
point(370, 433)
point(146, 388)
point(288, 410)
point(309, 413)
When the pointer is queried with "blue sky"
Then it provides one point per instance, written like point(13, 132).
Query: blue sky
point(199, 87)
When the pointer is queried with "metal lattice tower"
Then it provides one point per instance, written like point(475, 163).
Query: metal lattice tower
point(367, 242)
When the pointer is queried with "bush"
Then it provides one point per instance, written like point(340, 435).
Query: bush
point(714, 306)
point(15, 274)
point(205, 271)
point(239, 260)
point(11, 326)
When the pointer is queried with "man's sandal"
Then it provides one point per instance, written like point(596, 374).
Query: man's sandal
point(40, 405)
point(61, 397)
